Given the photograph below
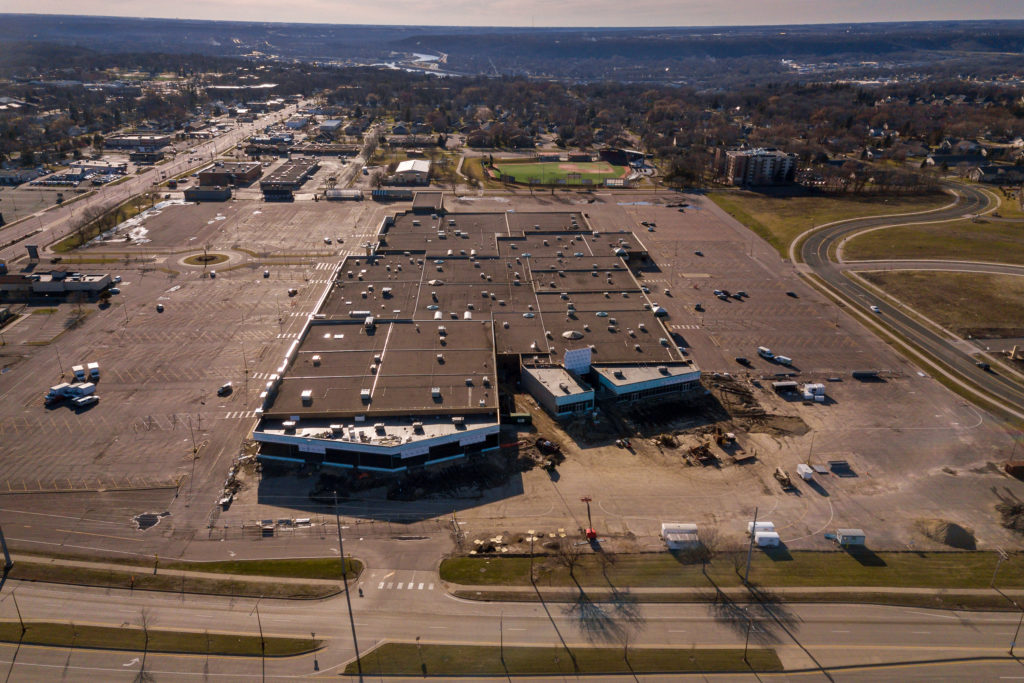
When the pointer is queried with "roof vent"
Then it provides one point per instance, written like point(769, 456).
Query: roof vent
point(417, 427)
point(458, 420)
point(364, 394)
point(440, 358)
point(316, 360)
point(619, 374)
point(435, 392)
point(379, 427)
point(307, 396)
point(663, 369)
point(564, 387)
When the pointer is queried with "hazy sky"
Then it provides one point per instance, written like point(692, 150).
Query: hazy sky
point(537, 12)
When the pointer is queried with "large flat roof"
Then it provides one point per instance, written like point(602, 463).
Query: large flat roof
point(558, 381)
point(443, 314)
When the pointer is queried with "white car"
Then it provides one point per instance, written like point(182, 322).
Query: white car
point(876, 309)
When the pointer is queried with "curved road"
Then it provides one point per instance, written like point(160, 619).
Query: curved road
point(957, 363)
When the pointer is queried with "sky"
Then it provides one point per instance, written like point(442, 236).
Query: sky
point(539, 13)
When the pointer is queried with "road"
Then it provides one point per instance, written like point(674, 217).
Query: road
point(949, 351)
point(807, 637)
point(45, 227)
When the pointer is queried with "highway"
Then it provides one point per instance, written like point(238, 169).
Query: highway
point(815, 250)
point(808, 637)
point(46, 227)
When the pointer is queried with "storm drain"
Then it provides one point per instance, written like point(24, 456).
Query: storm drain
point(148, 519)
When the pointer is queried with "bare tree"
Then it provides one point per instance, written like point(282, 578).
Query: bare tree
point(568, 555)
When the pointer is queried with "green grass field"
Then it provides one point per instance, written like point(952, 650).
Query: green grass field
point(412, 659)
point(975, 304)
point(779, 220)
point(555, 171)
point(796, 569)
point(962, 240)
point(134, 639)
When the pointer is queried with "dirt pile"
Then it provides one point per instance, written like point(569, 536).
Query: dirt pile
point(947, 533)
point(1012, 512)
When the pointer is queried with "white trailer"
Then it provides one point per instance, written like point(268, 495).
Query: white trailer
point(78, 371)
point(81, 389)
point(760, 526)
point(679, 536)
point(804, 471)
point(94, 370)
point(767, 539)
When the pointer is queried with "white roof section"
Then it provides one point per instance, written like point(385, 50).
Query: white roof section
point(413, 166)
point(559, 382)
point(622, 374)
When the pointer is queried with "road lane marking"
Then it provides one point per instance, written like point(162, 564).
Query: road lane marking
point(927, 614)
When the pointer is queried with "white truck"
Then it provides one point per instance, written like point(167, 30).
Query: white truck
point(765, 352)
point(64, 390)
point(79, 372)
point(783, 360)
point(81, 389)
point(57, 392)
point(94, 370)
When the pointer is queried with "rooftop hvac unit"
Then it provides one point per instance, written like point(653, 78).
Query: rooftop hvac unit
point(440, 358)
point(458, 420)
point(619, 374)
point(378, 427)
point(469, 381)
point(316, 360)
point(364, 394)
point(487, 381)
point(564, 387)
point(376, 358)
point(373, 368)
point(435, 392)
point(307, 396)
point(637, 347)
point(663, 369)
point(442, 330)
point(337, 428)
point(417, 427)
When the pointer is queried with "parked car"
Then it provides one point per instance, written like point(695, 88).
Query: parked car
point(225, 389)
point(114, 290)
point(159, 308)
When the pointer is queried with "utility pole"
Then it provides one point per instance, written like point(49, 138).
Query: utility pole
point(999, 561)
point(750, 549)
point(344, 578)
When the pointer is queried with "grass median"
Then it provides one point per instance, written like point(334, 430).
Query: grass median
point(136, 577)
point(780, 220)
point(136, 639)
point(781, 568)
point(412, 659)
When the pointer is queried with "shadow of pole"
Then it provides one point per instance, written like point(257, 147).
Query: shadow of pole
point(572, 655)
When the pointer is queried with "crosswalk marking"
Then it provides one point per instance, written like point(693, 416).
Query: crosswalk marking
point(239, 414)
point(685, 327)
point(288, 335)
point(324, 266)
point(402, 585)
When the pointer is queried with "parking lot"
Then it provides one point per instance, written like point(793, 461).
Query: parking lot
point(915, 450)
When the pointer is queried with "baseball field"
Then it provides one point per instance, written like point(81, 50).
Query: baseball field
point(556, 171)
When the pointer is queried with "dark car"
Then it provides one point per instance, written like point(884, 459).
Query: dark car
point(792, 294)
point(225, 389)
point(742, 361)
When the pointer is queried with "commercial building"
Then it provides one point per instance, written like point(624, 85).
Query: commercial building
point(208, 193)
point(758, 166)
point(147, 142)
point(231, 174)
point(52, 283)
point(400, 364)
point(280, 185)
point(413, 172)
